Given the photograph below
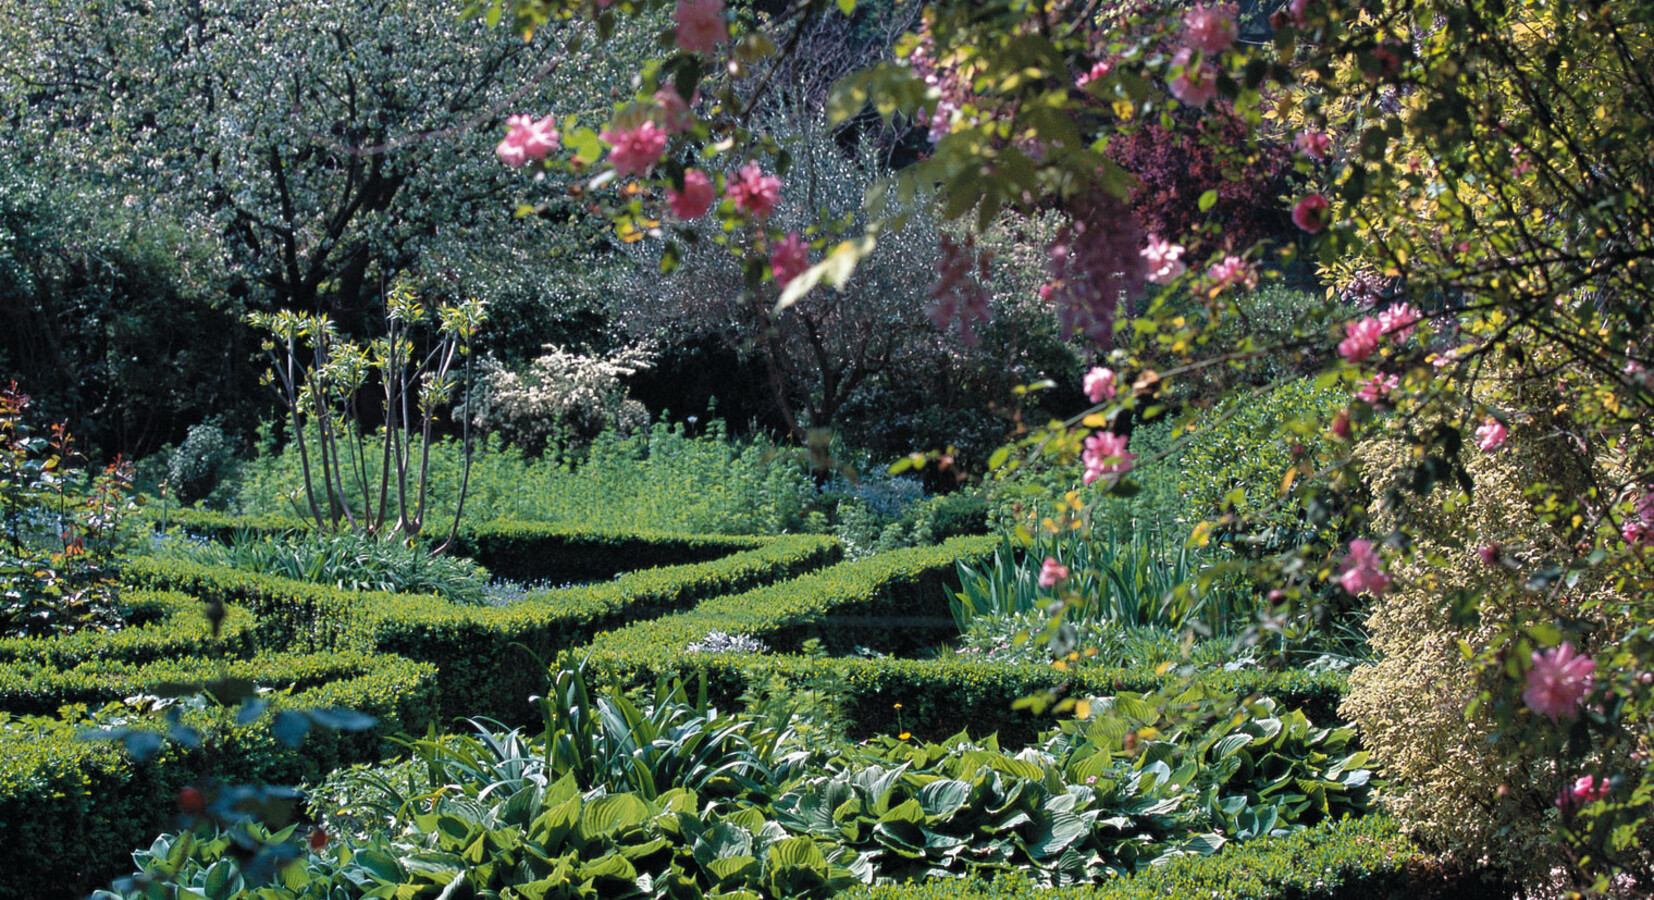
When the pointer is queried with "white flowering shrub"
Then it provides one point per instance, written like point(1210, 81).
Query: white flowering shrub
point(563, 399)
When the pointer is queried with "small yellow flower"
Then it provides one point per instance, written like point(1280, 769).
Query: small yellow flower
point(895, 706)
point(904, 735)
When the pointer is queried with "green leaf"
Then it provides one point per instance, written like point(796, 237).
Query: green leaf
point(848, 7)
point(1208, 200)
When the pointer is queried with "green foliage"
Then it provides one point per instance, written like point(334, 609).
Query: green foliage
point(347, 561)
point(202, 462)
point(1014, 638)
point(1365, 857)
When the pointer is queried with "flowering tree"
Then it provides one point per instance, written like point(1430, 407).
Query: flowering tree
point(1471, 182)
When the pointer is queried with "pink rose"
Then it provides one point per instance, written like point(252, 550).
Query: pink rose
point(1490, 434)
point(1105, 454)
point(1052, 573)
point(526, 139)
point(701, 26)
point(1364, 569)
point(1360, 339)
point(635, 151)
point(1558, 682)
point(753, 192)
point(1096, 73)
point(1397, 321)
point(1311, 213)
point(1490, 554)
point(1195, 85)
point(1210, 28)
point(1313, 144)
point(1163, 260)
point(696, 197)
point(789, 258)
point(1099, 384)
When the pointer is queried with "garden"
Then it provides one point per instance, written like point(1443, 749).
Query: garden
point(853, 449)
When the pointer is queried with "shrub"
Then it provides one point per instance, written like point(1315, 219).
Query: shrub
point(201, 463)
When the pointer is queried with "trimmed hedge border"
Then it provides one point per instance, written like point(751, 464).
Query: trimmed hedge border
point(173, 625)
point(1366, 858)
point(91, 803)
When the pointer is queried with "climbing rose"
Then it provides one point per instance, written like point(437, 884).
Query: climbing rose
point(1052, 572)
point(701, 26)
point(1210, 28)
point(1233, 271)
point(1558, 682)
point(675, 117)
point(1378, 387)
point(1195, 85)
point(789, 258)
point(526, 139)
point(1310, 213)
point(1105, 454)
point(1162, 257)
point(1585, 790)
point(754, 193)
point(1360, 339)
point(1099, 384)
point(1398, 321)
point(696, 197)
point(1491, 433)
point(634, 151)
point(1313, 144)
point(1363, 569)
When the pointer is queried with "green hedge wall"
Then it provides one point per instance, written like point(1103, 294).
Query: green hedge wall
point(170, 623)
point(1359, 859)
point(71, 810)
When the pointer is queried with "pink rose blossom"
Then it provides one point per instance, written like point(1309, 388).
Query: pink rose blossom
point(1100, 384)
point(1233, 271)
point(1490, 554)
point(634, 151)
point(1378, 387)
point(675, 116)
point(1341, 425)
point(1163, 260)
point(1398, 320)
point(1105, 454)
point(696, 197)
point(1195, 85)
point(1490, 434)
point(1360, 339)
point(1210, 28)
point(1558, 682)
point(789, 258)
point(1364, 569)
point(1313, 144)
point(1052, 573)
point(527, 139)
point(1097, 72)
point(1311, 213)
point(701, 26)
point(754, 193)
point(1585, 790)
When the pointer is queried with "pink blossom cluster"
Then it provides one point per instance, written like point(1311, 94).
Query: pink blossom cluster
point(1164, 260)
point(753, 192)
point(1310, 214)
point(1233, 271)
point(1362, 336)
point(527, 139)
point(1585, 790)
point(675, 117)
point(941, 121)
point(1052, 573)
point(1196, 83)
point(1097, 72)
point(1490, 434)
point(1558, 682)
point(1208, 30)
point(1313, 144)
point(1100, 384)
point(634, 151)
point(789, 258)
point(1364, 569)
point(1378, 387)
point(1639, 526)
point(696, 197)
point(700, 25)
point(1105, 454)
